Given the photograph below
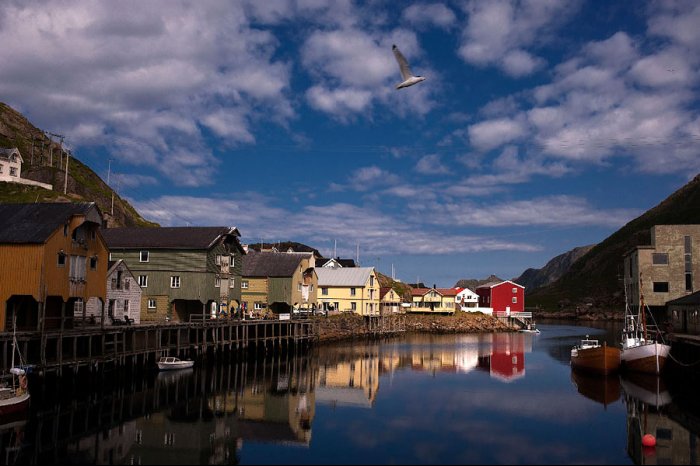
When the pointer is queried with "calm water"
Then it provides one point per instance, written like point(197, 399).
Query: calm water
point(486, 399)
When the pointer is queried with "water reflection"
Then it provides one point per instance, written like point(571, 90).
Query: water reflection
point(416, 399)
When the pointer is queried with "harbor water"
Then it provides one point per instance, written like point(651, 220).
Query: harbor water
point(503, 398)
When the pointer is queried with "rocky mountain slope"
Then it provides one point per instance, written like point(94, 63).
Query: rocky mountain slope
point(532, 279)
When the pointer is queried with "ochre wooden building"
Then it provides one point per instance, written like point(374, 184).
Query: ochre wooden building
point(53, 259)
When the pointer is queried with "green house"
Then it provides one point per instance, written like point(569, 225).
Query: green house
point(186, 273)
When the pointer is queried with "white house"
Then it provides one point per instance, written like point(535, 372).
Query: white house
point(467, 300)
point(11, 169)
point(123, 295)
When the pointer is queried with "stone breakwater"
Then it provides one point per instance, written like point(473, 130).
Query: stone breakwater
point(348, 326)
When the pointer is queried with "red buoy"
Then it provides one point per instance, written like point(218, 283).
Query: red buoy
point(649, 440)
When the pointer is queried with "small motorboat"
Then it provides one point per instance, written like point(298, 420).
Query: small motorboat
point(593, 357)
point(171, 363)
point(530, 328)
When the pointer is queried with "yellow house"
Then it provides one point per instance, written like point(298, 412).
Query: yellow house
point(349, 289)
point(390, 301)
point(433, 300)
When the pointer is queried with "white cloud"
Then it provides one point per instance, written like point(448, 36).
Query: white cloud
point(430, 14)
point(490, 134)
point(499, 31)
point(431, 165)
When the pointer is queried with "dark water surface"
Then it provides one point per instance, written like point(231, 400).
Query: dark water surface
point(471, 399)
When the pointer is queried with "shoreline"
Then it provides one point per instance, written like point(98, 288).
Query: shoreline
point(346, 327)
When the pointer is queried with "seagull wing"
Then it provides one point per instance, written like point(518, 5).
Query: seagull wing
point(403, 63)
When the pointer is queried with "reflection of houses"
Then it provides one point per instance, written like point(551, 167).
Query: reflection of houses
point(352, 382)
point(275, 417)
point(11, 169)
point(181, 270)
point(278, 281)
point(123, 295)
point(389, 301)
point(507, 359)
point(433, 300)
point(667, 269)
point(349, 289)
point(109, 446)
point(52, 260)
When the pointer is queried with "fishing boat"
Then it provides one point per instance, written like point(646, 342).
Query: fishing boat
point(591, 356)
point(171, 363)
point(640, 351)
point(14, 391)
point(530, 328)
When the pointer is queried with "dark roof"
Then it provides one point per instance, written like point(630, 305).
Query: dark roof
point(35, 223)
point(166, 238)
point(689, 300)
point(270, 264)
point(343, 262)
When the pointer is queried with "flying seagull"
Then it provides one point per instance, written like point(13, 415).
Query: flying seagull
point(408, 78)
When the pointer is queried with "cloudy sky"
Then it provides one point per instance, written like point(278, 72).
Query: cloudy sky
point(542, 125)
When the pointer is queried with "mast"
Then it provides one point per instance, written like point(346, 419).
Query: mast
point(641, 307)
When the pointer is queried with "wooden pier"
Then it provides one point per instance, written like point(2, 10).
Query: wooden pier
point(58, 350)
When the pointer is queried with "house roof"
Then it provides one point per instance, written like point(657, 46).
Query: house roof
point(448, 291)
point(167, 237)
point(321, 262)
point(689, 300)
point(424, 291)
point(6, 153)
point(346, 276)
point(383, 291)
point(493, 284)
point(112, 266)
point(271, 264)
point(35, 223)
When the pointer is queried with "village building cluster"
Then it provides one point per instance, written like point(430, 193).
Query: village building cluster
point(62, 269)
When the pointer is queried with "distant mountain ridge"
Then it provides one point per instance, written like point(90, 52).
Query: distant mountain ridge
point(532, 278)
point(473, 283)
point(43, 162)
point(593, 279)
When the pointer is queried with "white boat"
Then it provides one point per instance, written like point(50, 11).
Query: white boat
point(172, 363)
point(530, 329)
point(14, 393)
point(640, 352)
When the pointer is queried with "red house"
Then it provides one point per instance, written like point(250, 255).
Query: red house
point(505, 296)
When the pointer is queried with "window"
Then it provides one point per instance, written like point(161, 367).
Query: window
point(218, 259)
point(126, 306)
point(660, 287)
point(217, 282)
point(110, 257)
point(0, 168)
point(151, 304)
point(298, 286)
point(175, 281)
point(324, 291)
point(311, 288)
point(65, 230)
point(353, 292)
point(61, 261)
point(371, 280)
point(145, 256)
point(353, 306)
point(232, 282)
point(143, 281)
point(13, 171)
point(515, 300)
point(93, 263)
point(659, 258)
point(259, 306)
point(233, 262)
point(77, 268)
point(244, 284)
point(689, 282)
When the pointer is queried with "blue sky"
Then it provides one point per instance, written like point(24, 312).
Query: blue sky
point(542, 125)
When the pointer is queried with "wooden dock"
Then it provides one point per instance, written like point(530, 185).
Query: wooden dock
point(58, 350)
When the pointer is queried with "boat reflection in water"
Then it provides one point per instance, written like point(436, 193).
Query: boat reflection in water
point(603, 390)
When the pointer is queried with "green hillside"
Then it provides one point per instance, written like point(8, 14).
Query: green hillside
point(594, 279)
point(43, 162)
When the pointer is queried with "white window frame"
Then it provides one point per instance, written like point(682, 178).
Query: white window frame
point(143, 281)
point(515, 300)
point(218, 259)
point(231, 282)
point(244, 284)
point(152, 303)
point(175, 281)
point(233, 260)
point(13, 171)
point(217, 282)
point(148, 256)
point(515, 290)
point(259, 306)
point(298, 286)
point(353, 291)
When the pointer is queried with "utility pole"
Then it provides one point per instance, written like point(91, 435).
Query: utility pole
point(335, 248)
point(65, 184)
point(109, 170)
point(33, 137)
point(358, 254)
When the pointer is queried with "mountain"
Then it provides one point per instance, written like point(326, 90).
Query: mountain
point(593, 279)
point(532, 279)
point(44, 162)
point(473, 283)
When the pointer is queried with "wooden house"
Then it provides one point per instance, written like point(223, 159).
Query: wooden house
point(123, 296)
point(433, 300)
point(349, 289)
point(389, 301)
point(506, 296)
point(185, 273)
point(278, 282)
point(53, 259)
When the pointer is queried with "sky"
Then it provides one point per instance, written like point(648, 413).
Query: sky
point(542, 125)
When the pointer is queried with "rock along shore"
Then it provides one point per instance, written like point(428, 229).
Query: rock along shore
point(349, 326)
